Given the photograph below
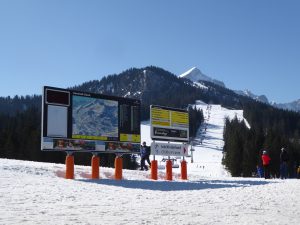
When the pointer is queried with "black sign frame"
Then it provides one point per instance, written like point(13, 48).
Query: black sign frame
point(123, 113)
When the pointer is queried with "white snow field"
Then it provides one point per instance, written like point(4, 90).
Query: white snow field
point(37, 193)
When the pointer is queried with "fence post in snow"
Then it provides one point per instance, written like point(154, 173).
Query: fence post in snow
point(118, 167)
point(154, 169)
point(95, 166)
point(169, 169)
point(183, 169)
point(69, 166)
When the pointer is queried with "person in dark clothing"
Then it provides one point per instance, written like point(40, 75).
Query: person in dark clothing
point(145, 153)
point(148, 152)
point(266, 163)
point(284, 158)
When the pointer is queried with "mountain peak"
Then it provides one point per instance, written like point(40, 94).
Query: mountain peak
point(195, 75)
point(248, 93)
point(192, 70)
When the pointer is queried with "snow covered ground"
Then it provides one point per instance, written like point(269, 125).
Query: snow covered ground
point(37, 193)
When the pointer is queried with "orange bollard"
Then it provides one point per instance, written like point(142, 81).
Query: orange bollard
point(118, 168)
point(183, 170)
point(154, 169)
point(69, 167)
point(95, 167)
point(169, 170)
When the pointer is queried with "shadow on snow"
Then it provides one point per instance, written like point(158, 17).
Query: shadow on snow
point(175, 185)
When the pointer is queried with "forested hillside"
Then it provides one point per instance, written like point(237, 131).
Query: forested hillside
point(271, 128)
point(20, 117)
point(13, 105)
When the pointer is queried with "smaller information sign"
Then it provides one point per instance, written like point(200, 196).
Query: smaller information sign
point(169, 124)
point(168, 149)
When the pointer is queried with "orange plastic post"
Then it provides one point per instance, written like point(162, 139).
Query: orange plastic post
point(154, 169)
point(118, 168)
point(183, 170)
point(169, 170)
point(95, 167)
point(69, 167)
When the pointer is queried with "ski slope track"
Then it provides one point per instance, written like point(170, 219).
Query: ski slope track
point(37, 193)
point(208, 145)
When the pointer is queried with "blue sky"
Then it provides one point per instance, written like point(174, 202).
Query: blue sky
point(251, 45)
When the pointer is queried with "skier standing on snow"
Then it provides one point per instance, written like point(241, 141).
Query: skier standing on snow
point(266, 163)
point(148, 152)
point(284, 158)
point(145, 153)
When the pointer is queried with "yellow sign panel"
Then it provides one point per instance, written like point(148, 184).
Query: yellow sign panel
point(88, 137)
point(161, 123)
point(160, 117)
point(130, 138)
point(136, 138)
point(160, 114)
point(179, 118)
point(169, 118)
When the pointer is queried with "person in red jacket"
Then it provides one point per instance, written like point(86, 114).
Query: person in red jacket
point(266, 163)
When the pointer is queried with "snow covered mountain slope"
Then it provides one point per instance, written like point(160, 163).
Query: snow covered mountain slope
point(208, 144)
point(260, 98)
point(293, 106)
point(195, 75)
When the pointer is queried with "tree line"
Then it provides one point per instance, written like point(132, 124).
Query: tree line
point(20, 138)
point(271, 128)
point(243, 146)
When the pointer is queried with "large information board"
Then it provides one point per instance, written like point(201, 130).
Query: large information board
point(81, 121)
point(169, 124)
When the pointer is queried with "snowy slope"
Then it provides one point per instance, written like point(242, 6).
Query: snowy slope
point(208, 144)
point(37, 193)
